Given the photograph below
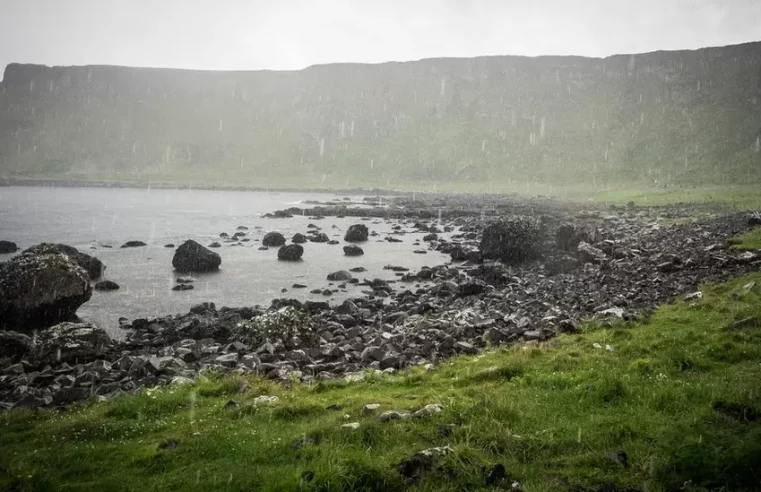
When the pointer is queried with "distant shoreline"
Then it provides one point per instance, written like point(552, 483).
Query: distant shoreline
point(56, 183)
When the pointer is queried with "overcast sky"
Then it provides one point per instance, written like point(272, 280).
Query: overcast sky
point(292, 34)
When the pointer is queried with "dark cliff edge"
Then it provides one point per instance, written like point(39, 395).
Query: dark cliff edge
point(669, 116)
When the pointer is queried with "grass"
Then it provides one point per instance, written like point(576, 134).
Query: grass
point(749, 240)
point(678, 394)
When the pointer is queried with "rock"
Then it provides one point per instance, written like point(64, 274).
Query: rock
point(751, 322)
point(358, 269)
point(341, 275)
point(169, 245)
point(32, 401)
point(568, 326)
point(184, 280)
point(351, 425)
point(106, 285)
point(192, 257)
point(265, 400)
point(513, 241)
point(392, 415)
point(215, 244)
point(496, 474)
point(182, 287)
point(586, 253)
point(227, 359)
point(356, 233)
point(416, 466)
point(70, 342)
point(273, 239)
point(370, 408)
point(7, 247)
point(431, 237)
point(694, 296)
point(428, 410)
point(754, 219)
point(41, 290)
point(291, 252)
point(319, 238)
point(14, 345)
point(68, 395)
point(93, 266)
point(168, 444)
point(299, 238)
point(353, 250)
point(133, 244)
point(566, 238)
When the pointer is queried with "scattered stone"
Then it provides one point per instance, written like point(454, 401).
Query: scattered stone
point(341, 275)
point(8, 247)
point(694, 296)
point(265, 400)
point(299, 238)
point(353, 250)
point(183, 287)
point(393, 415)
point(192, 257)
point(273, 239)
point(133, 244)
point(356, 233)
point(370, 408)
point(168, 444)
point(429, 410)
point(215, 244)
point(106, 285)
point(351, 425)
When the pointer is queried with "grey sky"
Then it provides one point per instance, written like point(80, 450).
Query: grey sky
point(292, 34)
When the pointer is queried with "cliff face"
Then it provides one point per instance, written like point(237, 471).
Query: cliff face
point(688, 116)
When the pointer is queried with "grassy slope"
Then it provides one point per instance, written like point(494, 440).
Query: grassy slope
point(679, 394)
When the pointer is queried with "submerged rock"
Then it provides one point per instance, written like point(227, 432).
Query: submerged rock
point(106, 285)
point(273, 239)
point(7, 247)
point(356, 233)
point(193, 257)
point(353, 250)
point(133, 244)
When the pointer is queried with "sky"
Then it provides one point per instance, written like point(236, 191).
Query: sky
point(293, 34)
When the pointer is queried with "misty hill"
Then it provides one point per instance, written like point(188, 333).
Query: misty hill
point(686, 116)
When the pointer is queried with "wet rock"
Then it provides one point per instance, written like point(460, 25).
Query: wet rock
point(106, 285)
point(169, 245)
point(428, 410)
point(356, 233)
point(566, 238)
point(93, 266)
point(180, 287)
point(291, 252)
point(358, 269)
point(416, 466)
point(192, 257)
point(393, 415)
point(14, 345)
point(586, 253)
point(7, 247)
point(40, 290)
point(215, 244)
point(299, 238)
point(184, 280)
point(273, 239)
point(353, 250)
point(133, 244)
point(513, 241)
point(319, 238)
point(431, 237)
point(341, 275)
point(496, 474)
point(70, 342)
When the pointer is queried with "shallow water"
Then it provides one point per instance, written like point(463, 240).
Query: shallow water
point(93, 218)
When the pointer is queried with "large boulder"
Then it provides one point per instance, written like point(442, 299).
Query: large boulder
point(70, 342)
point(352, 250)
point(319, 237)
point(513, 241)
point(299, 238)
point(292, 252)
point(356, 234)
point(7, 247)
point(93, 266)
point(193, 257)
point(39, 290)
point(273, 239)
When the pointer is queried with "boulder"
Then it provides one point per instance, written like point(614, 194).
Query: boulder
point(356, 233)
point(341, 275)
point(513, 241)
point(291, 252)
point(353, 250)
point(566, 237)
point(41, 290)
point(70, 342)
point(319, 238)
point(193, 257)
point(133, 244)
point(106, 285)
point(93, 266)
point(273, 239)
point(14, 345)
point(586, 253)
point(299, 238)
point(7, 247)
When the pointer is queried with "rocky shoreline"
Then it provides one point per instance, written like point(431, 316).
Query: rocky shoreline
point(521, 270)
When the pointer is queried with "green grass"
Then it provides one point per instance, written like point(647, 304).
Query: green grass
point(749, 240)
point(679, 394)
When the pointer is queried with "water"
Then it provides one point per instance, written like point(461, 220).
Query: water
point(93, 218)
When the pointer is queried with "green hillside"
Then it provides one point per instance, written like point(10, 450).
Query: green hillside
point(688, 117)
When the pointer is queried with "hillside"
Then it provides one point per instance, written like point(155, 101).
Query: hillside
point(686, 116)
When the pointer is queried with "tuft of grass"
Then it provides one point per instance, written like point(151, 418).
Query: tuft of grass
point(675, 405)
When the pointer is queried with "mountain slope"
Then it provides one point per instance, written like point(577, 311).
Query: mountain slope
point(686, 116)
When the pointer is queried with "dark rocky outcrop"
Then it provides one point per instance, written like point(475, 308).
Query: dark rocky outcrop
point(273, 239)
point(299, 238)
point(191, 257)
point(39, 289)
point(93, 266)
point(356, 233)
point(7, 247)
point(291, 252)
point(353, 250)
point(513, 240)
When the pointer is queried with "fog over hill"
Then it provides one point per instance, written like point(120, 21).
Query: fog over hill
point(682, 116)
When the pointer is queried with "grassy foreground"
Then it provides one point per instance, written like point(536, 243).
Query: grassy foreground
point(672, 402)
